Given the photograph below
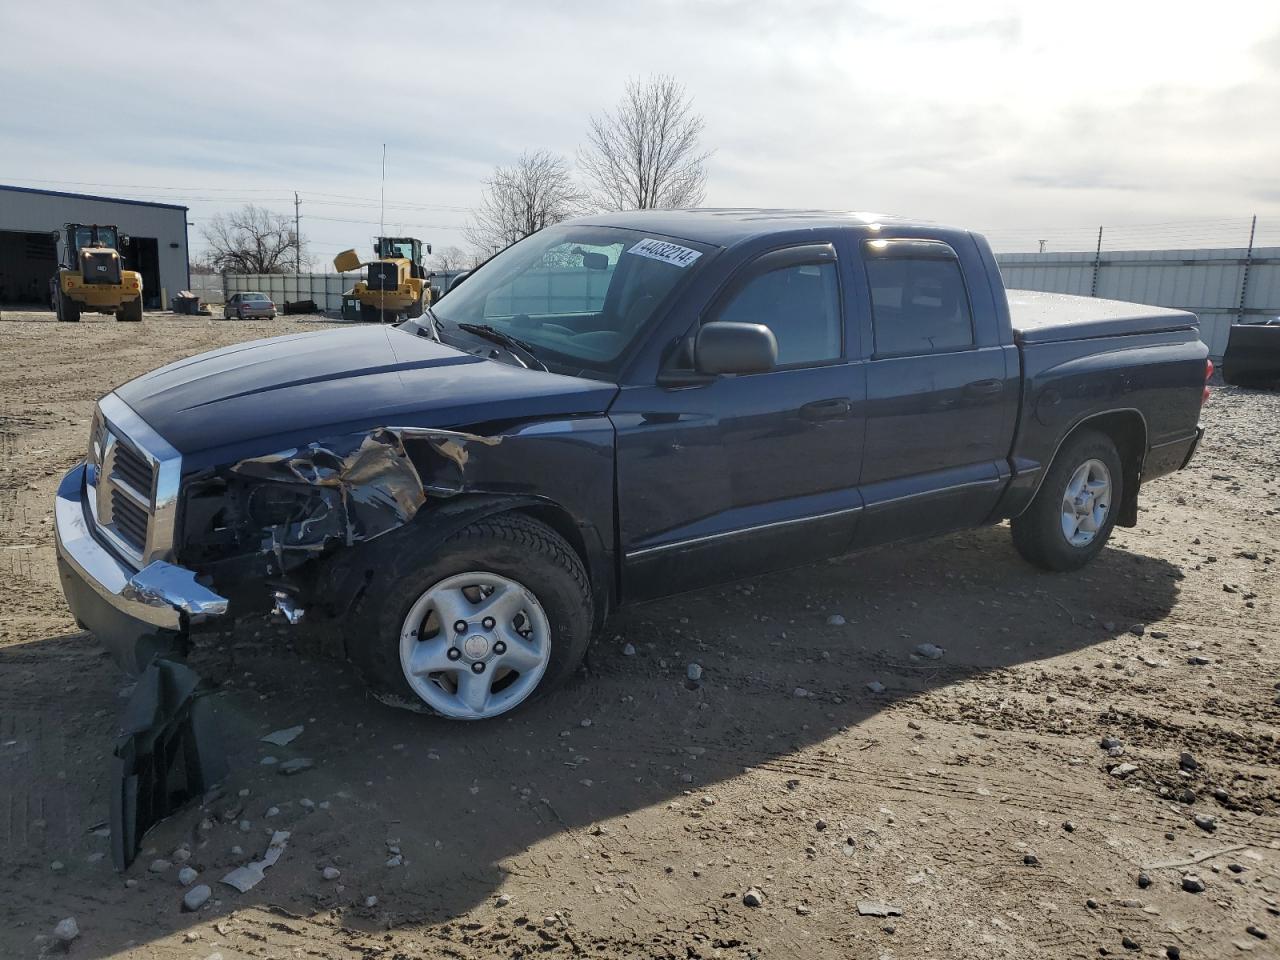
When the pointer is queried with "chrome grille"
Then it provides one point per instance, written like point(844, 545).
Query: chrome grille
point(132, 469)
point(132, 480)
point(130, 520)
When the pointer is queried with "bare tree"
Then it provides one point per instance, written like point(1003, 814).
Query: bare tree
point(449, 258)
point(535, 192)
point(648, 155)
point(253, 240)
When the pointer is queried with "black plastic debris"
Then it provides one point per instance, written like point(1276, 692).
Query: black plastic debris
point(300, 306)
point(168, 754)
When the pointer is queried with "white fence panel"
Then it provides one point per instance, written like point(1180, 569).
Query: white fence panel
point(326, 289)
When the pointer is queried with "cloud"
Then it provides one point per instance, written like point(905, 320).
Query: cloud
point(991, 114)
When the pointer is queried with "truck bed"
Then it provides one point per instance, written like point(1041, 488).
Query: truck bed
point(1054, 317)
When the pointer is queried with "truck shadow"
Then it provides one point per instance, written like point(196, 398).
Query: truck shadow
point(466, 805)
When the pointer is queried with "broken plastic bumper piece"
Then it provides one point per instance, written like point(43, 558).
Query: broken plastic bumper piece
point(136, 614)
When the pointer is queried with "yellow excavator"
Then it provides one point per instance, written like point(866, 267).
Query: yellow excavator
point(91, 277)
point(395, 284)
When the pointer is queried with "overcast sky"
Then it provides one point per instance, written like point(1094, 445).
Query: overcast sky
point(1024, 120)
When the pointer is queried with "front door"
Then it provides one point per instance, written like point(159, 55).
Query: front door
point(748, 473)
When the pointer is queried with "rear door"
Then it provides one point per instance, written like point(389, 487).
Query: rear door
point(744, 474)
point(940, 391)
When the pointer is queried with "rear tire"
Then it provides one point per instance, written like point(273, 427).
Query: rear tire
point(131, 312)
point(1075, 510)
point(397, 619)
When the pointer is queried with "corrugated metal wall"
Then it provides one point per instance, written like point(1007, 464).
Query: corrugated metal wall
point(1208, 282)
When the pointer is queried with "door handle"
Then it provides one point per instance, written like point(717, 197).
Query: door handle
point(980, 388)
point(832, 409)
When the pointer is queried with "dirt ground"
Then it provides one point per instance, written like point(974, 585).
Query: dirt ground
point(628, 815)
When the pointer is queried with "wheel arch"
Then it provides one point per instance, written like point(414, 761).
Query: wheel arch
point(1127, 429)
point(346, 576)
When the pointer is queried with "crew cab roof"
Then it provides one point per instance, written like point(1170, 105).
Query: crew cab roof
point(725, 226)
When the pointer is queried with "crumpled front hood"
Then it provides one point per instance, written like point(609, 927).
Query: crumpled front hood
point(299, 387)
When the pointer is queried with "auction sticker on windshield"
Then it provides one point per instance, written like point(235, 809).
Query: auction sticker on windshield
point(666, 252)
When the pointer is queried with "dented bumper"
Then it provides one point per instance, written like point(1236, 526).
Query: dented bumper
point(136, 614)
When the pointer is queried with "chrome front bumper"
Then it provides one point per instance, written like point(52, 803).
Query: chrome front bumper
point(135, 614)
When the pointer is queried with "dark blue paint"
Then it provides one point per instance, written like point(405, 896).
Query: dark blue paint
point(668, 488)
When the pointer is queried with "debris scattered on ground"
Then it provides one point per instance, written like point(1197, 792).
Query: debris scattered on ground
point(187, 876)
point(296, 765)
point(754, 897)
point(250, 875)
point(66, 930)
point(197, 897)
point(1192, 883)
point(282, 738)
point(929, 651)
point(874, 908)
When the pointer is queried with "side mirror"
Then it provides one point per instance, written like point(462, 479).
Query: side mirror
point(592, 260)
point(728, 347)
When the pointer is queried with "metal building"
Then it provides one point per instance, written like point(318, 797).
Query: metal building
point(157, 245)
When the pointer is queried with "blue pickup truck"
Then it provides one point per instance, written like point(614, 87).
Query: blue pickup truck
point(617, 408)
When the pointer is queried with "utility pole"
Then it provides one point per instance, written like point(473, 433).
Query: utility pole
point(297, 235)
point(1244, 274)
point(1042, 246)
point(1097, 262)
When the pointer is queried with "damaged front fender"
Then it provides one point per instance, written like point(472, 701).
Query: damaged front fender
point(296, 503)
point(380, 486)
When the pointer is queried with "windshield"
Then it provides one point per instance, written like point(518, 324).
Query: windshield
point(387, 247)
point(256, 297)
point(106, 237)
point(579, 295)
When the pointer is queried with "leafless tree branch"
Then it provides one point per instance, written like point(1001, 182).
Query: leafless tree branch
point(253, 240)
point(648, 154)
point(535, 192)
point(449, 258)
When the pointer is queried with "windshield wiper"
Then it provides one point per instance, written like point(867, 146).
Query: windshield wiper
point(432, 329)
point(522, 350)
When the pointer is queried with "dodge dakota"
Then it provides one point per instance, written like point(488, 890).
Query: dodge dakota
point(617, 408)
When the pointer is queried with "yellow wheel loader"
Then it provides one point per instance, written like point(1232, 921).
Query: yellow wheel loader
point(395, 284)
point(91, 277)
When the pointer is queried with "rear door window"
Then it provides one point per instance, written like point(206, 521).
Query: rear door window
point(919, 302)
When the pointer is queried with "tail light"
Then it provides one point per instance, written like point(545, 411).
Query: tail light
point(1208, 372)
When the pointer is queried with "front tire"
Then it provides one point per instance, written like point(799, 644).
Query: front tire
point(67, 309)
point(518, 591)
point(1075, 510)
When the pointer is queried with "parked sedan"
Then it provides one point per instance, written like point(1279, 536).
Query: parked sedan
point(243, 306)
